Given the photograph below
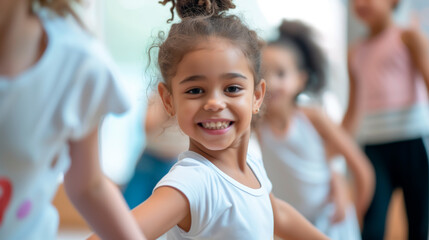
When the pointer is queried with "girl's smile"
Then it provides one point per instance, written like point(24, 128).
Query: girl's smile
point(213, 95)
point(216, 126)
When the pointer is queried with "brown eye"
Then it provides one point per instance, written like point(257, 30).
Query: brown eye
point(195, 91)
point(233, 89)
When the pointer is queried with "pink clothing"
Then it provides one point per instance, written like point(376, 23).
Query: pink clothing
point(385, 75)
point(392, 94)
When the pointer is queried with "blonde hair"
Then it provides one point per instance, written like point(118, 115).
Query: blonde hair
point(61, 7)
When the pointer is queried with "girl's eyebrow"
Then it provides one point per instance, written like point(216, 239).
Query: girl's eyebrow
point(233, 75)
point(201, 77)
point(192, 78)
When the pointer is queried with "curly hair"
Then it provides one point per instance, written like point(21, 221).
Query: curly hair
point(201, 20)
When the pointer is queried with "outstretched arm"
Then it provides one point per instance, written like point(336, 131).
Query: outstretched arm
point(164, 209)
point(95, 197)
point(291, 225)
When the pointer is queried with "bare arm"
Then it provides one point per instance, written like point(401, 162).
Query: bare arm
point(164, 209)
point(418, 47)
point(356, 160)
point(97, 199)
point(351, 118)
point(339, 196)
point(291, 225)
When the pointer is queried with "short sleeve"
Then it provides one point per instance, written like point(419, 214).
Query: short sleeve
point(192, 179)
point(94, 92)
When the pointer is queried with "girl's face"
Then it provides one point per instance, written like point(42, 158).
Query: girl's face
point(213, 96)
point(372, 12)
point(284, 79)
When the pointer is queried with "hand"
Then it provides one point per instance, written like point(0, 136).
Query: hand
point(339, 197)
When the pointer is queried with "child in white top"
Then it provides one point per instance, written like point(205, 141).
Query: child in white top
point(210, 66)
point(293, 138)
point(56, 83)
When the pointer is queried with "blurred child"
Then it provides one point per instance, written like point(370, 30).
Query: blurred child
point(210, 66)
point(293, 138)
point(388, 111)
point(55, 86)
point(164, 142)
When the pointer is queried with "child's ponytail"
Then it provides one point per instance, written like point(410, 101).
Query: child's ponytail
point(198, 8)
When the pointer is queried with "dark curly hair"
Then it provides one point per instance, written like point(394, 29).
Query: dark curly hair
point(298, 37)
point(200, 20)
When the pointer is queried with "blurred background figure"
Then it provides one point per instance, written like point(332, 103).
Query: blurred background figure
point(388, 111)
point(293, 138)
point(56, 84)
point(164, 142)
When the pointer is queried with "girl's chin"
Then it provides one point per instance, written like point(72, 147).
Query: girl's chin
point(215, 146)
point(208, 145)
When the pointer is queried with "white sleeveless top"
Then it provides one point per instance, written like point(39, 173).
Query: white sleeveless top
point(221, 207)
point(300, 174)
point(297, 166)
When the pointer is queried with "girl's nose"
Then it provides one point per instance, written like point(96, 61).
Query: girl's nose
point(214, 104)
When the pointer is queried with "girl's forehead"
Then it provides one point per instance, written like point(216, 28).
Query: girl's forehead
point(214, 56)
point(215, 43)
point(278, 53)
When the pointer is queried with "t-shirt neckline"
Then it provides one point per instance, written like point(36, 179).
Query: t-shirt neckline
point(253, 191)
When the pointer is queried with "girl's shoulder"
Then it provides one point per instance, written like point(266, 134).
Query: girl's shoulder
point(190, 169)
point(315, 116)
point(311, 113)
point(413, 38)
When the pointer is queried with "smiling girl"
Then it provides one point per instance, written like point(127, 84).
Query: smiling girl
point(210, 65)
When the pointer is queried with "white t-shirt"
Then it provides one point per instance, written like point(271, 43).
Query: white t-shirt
point(62, 97)
point(221, 207)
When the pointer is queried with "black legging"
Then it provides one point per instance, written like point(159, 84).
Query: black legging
point(402, 164)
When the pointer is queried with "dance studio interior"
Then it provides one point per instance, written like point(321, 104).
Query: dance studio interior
point(363, 64)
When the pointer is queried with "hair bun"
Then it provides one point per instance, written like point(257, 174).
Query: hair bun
point(294, 29)
point(198, 8)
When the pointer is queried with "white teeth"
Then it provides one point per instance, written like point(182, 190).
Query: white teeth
point(216, 125)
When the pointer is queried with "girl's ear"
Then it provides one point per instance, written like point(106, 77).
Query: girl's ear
point(167, 98)
point(259, 95)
